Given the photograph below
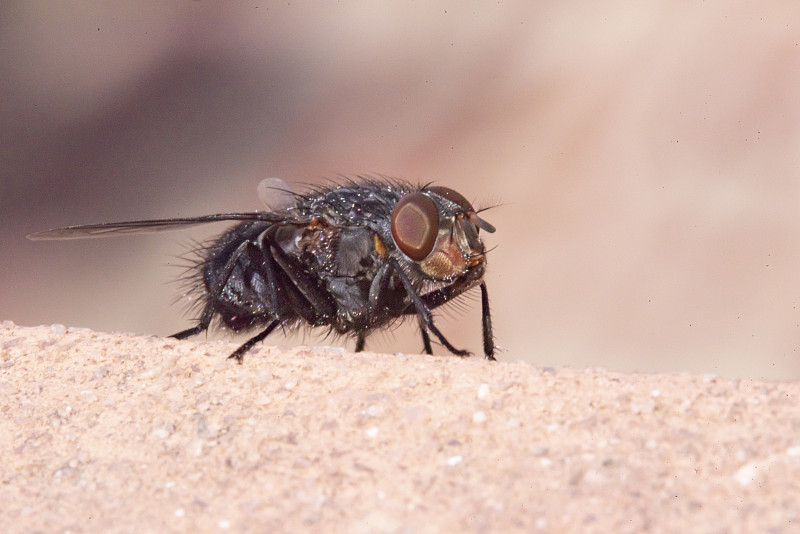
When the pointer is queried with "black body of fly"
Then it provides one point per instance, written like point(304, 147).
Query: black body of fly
point(354, 258)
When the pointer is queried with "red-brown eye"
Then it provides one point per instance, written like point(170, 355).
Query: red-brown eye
point(457, 198)
point(415, 225)
point(452, 196)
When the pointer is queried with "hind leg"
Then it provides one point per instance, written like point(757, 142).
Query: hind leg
point(239, 353)
point(208, 311)
point(202, 325)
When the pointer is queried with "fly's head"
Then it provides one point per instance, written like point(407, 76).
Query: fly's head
point(438, 229)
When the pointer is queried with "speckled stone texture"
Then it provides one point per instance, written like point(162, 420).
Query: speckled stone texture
point(121, 433)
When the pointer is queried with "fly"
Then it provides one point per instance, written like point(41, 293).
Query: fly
point(354, 257)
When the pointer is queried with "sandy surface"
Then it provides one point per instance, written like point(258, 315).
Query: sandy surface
point(121, 433)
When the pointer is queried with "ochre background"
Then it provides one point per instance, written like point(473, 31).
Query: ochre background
point(646, 158)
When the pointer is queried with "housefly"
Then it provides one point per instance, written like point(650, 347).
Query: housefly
point(353, 257)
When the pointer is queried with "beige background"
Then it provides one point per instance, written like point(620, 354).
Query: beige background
point(645, 156)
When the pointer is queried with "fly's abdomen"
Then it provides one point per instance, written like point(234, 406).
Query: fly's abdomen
point(238, 276)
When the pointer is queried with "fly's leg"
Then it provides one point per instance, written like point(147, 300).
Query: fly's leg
point(310, 301)
point(376, 290)
point(361, 341)
point(423, 313)
point(440, 296)
point(426, 339)
point(189, 332)
point(379, 285)
point(239, 353)
point(272, 266)
point(488, 337)
point(285, 275)
point(219, 286)
point(281, 276)
point(208, 311)
point(269, 267)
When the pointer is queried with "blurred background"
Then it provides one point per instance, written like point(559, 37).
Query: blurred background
point(645, 158)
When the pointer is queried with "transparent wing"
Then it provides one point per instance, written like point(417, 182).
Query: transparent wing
point(275, 194)
point(153, 225)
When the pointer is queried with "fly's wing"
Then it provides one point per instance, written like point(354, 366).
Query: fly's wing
point(153, 225)
point(275, 194)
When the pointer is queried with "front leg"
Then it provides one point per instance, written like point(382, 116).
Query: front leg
point(423, 313)
point(214, 294)
point(488, 336)
point(434, 299)
point(377, 292)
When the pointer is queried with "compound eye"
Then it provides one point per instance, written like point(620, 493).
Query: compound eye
point(452, 196)
point(464, 204)
point(415, 225)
